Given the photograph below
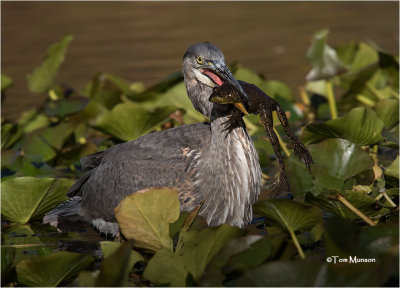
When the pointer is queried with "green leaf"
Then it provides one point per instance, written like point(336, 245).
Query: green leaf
point(43, 77)
point(43, 144)
point(6, 83)
point(339, 158)
point(388, 111)
point(365, 203)
point(28, 198)
point(165, 267)
point(7, 260)
point(129, 121)
point(360, 126)
point(213, 275)
point(64, 107)
point(53, 269)
point(289, 215)
point(145, 217)
point(323, 58)
point(393, 169)
point(10, 134)
point(115, 268)
point(199, 247)
point(109, 247)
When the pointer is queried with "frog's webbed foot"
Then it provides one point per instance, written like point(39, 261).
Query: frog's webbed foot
point(303, 154)
point(233, 121)
point(282, 181)
point(299, 149)
point(280, 186)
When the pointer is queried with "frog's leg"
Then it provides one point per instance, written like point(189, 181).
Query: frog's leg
point(232, 121)
point(299, 149)
point(282, 183)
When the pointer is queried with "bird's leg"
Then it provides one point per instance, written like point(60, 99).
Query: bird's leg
point(267, 121)
point(299, 149)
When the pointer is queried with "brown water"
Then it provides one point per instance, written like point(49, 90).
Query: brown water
point(146, 40)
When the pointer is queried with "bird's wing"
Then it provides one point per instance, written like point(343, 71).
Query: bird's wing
point(160, 159)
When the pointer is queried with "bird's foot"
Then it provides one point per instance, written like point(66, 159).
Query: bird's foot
point(303, 154)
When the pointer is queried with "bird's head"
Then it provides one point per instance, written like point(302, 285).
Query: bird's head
point(203, 69)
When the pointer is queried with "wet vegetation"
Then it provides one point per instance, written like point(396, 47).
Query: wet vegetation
point(347, 114)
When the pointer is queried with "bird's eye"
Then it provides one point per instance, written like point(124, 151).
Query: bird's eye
point(200, 60)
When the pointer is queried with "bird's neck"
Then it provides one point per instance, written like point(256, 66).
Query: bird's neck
point(234, 174)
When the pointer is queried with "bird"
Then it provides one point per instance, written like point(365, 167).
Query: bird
point(202, 161)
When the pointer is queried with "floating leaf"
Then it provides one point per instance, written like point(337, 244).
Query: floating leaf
point(145, 217)
point(109, 247)
point(337, 160)
point(115, 268)
point(365, 203)
point(28, 198)
point(129, 121)
point(289, 215)
point(53, 269)
point(10, 133)
point(165, 267)
point(43, 77)
point(64, 107)
point(360, 126)
point(393, 169)
point(7, 260)
point(6, 83)
point(198, 248)
point(388, 111)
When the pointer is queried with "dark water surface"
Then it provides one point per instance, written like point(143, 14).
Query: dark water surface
point(145, 41)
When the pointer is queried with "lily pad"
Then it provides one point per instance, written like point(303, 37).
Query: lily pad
point(64, 107)
point(289, 215)
point(115, 268)
point(52, 270)
point(27, 198)
point(393, 169)
point(337, 160)
point(199, 247)
point(360, 126)
point(43, 77)
point(145, 217)
point(388, 111)
point(110, 247)
point(129, 120)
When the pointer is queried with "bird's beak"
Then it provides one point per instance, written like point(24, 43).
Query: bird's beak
point(228, 90)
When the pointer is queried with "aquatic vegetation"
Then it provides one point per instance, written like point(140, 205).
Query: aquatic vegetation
point(348, 207)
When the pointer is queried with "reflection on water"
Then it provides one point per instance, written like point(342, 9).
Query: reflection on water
point(146, 40)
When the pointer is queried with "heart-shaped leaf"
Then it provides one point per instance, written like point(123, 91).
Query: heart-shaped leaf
point(27, 198)
point(388, 111)
point(128, 121)
point(52, 270)
point(145, 217)
point(360, 126)
point(43, 77)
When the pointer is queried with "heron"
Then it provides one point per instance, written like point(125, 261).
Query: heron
point(202, 161)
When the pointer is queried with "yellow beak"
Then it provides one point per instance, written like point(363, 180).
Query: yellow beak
point(241, 107)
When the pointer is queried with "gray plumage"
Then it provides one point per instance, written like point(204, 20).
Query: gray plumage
point(203, 161)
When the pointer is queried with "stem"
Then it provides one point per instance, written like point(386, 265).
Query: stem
point(304, 96)
point(282, 143)
point(355, 210)
point(297, 244)
point(331, 99)
point(388, 199)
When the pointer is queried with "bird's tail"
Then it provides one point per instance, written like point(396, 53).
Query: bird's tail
point(67, 208)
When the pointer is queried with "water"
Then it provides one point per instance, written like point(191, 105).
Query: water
point(146, 40)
